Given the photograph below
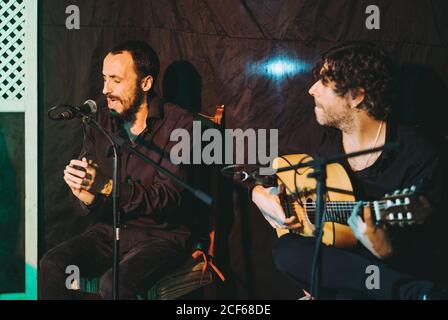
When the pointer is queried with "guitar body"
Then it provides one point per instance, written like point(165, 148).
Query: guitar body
point(334, 234)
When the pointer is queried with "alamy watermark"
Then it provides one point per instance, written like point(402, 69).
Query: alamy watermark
point(237, 145)
point(72, 282)
point(373, 20)
point(373, 279)
point(73, 19)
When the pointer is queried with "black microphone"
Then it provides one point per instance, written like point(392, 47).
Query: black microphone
point(67, 112)
point(255, 177)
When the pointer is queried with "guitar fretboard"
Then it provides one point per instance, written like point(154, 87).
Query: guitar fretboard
point(335, 211)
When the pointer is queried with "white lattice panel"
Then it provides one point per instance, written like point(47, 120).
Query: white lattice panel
point(18, 93)
point(12, 49)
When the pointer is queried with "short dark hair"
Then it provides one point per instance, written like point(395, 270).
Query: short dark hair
point(360, 64)
point(145, 59)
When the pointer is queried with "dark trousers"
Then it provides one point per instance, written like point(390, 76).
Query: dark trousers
point(343, 273)
point(143, 260)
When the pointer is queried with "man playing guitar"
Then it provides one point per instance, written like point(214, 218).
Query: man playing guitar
point(352, 95)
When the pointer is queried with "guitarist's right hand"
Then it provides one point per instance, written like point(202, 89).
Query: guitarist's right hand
point(268, 202)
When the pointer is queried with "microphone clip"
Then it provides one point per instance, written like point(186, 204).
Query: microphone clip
point(249, 175)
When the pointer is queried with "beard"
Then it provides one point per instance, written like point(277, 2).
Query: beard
point(128, 115)
point(328, 118)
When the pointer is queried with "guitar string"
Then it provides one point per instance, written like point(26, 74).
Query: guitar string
point(336, 210)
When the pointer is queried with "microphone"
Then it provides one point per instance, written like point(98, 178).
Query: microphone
point(67, 112)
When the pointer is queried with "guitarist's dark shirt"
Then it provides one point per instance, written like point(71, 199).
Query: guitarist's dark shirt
point(417, 249)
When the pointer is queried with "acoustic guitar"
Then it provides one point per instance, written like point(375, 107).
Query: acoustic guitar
point(299, 194)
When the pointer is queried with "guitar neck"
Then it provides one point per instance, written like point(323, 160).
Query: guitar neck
point(335, 211)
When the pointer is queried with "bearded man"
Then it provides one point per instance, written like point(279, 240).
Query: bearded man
point(154, 232)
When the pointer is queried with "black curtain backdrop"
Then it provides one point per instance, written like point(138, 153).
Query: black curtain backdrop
point(206, 49)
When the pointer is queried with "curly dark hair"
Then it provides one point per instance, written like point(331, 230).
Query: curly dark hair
point(357, 65)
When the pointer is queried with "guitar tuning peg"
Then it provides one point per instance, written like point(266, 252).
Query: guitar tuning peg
point(409, 215)
point(386, 195)
point(413, 188)
point(396, 192)
point(405, 191)
point(399, 216)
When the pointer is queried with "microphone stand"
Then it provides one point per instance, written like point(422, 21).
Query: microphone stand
point(115, 201)
point(117, 143)
point(319, 165)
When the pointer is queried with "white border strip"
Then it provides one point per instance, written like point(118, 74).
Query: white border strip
point(29, 106)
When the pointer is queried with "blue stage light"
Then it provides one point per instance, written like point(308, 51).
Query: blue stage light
point(279, 68)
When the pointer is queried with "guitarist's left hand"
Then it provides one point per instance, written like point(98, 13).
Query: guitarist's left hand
point(373, 237)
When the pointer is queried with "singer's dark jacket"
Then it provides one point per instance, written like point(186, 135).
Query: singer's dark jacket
point(148, 198)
